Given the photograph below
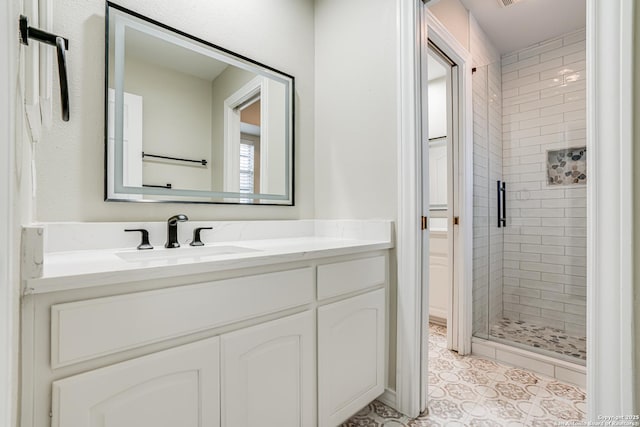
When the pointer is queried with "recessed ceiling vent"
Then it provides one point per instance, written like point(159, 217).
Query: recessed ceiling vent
point(505, 3)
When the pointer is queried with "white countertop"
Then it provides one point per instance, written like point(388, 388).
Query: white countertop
point(64, 270)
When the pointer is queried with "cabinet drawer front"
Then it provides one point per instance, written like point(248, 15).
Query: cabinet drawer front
point(88, 329)
point(176, 387)
point(343, 277)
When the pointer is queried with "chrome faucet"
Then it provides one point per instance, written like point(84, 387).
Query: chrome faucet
point(172, 230)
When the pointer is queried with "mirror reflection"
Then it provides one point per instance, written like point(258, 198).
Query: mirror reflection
point(187, 121)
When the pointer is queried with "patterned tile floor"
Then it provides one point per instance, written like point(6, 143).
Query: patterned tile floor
point(542, 337)
point(475, 392)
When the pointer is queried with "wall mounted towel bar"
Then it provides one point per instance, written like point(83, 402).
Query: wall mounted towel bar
point(61, 44)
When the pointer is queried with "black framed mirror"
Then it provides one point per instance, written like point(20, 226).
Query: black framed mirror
point(189, 121)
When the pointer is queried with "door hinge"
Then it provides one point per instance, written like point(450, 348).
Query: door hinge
point(456, 220)
point(425, 223)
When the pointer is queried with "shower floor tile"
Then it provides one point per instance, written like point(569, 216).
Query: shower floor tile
point(472, 391)
point(543, 337)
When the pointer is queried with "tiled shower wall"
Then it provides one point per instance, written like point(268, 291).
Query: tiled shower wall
point(544, 103)
point(487, 168)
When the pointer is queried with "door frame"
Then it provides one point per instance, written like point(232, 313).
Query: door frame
point(610, 219)
point(259, 86)
point(417, 25)
point(610, 334)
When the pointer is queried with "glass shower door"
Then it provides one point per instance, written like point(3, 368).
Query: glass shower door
point(488, 238)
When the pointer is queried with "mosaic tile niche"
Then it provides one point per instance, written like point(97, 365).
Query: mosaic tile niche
point(567, 166)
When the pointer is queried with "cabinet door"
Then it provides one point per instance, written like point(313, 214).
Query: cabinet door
point(268, 374)
point(177, 387)
point(351, 356)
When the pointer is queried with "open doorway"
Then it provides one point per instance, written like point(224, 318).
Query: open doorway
point(441, 156)
point(441, 204)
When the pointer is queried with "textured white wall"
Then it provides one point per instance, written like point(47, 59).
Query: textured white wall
point(16, 202)
point(356, 141)
point(544, 103)
point(70, 158)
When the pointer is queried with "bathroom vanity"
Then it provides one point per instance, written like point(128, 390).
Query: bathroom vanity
point(250, 330)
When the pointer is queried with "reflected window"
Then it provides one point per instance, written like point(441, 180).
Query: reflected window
point(247, 165)
point(250, 147)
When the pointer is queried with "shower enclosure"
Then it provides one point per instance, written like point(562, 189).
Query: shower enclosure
point(529, 263)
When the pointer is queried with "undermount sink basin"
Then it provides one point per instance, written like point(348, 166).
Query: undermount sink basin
point(182, 253)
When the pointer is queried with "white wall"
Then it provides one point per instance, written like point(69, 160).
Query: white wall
point(16, 203)
point(356, 147)
point(545, 240)
point(70, 159)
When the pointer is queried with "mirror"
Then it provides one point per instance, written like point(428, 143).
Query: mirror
point(188, 121)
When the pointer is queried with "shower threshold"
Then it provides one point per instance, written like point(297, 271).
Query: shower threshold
point(542, 338)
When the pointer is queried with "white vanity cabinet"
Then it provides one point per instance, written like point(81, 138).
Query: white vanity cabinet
point(176, 387)
point(295, 344)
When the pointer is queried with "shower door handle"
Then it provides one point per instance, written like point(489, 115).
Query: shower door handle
point(502, 203)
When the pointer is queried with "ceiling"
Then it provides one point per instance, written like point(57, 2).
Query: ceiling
point(162, 53)
point(528, 22)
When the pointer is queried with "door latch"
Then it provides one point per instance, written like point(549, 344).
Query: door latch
point(425, 223)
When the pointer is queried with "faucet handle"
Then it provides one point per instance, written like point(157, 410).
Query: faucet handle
point(144, 244)
point(196, 236)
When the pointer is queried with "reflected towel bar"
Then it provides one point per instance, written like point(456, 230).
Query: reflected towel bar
point(203, 162)
point(157, 186)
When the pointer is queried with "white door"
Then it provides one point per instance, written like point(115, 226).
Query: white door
point(177, 387)
point(351, 356)
point(268, 374)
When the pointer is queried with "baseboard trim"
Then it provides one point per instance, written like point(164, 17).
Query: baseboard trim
point(389, 398)
point(442, 321)
point(545, 365)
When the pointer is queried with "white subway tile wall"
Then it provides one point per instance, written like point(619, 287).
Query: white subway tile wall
point(543, 94)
